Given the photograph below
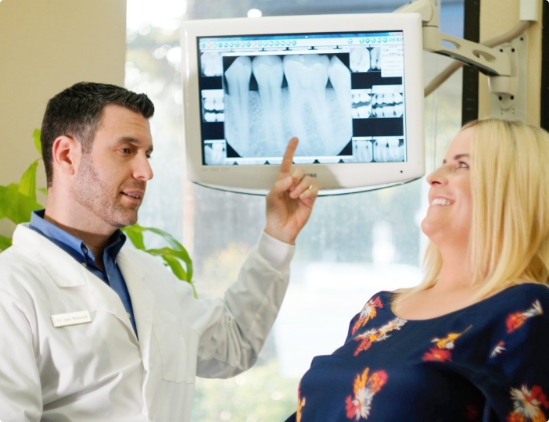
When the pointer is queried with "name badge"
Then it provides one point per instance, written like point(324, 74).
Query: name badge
point(72, 318)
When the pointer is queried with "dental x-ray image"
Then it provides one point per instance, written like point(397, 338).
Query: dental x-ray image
point(381, 149)
point(212, 105)
point(387, 101)
point(365, 59)
point(215, 152)
point(211, 63)
point(362, 103)
point(270, 98)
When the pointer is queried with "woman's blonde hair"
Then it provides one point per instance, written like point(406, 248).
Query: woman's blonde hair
point(509, 241)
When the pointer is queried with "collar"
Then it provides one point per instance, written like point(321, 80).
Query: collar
point(74, 246)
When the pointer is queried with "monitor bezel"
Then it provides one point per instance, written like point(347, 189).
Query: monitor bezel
point(332, 178)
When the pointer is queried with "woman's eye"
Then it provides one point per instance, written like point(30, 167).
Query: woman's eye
point(125, 150)
point(463, 164)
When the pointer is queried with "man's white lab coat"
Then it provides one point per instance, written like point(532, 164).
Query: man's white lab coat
point(100, 371)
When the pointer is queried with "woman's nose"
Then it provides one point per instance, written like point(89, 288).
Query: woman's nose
point(437, 177)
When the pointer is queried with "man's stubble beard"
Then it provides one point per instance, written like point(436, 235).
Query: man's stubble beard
point(93, 194)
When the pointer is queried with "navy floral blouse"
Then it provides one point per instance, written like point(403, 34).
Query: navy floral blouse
point(486, 362)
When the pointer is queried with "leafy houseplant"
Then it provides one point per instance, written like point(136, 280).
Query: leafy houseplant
point(17, 201)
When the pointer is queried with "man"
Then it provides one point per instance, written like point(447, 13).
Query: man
point(92, 330)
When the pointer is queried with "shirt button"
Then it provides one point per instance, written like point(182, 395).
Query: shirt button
point(84, 249)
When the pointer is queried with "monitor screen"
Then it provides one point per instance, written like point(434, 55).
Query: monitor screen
point(343, 93)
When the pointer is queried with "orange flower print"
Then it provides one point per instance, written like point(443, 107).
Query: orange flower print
point(359, 404)
point(441, 353)
point(368, 312)
point(435, 354)
point(527, 405)
point(369, 337)
point(300, 404)
point(516, 320)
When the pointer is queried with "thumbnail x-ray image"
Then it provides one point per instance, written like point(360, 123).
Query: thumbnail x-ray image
point(211, 63)
point(380, 149)
point(363, 150)
point(362, 103)
point(389, 149)
point(365, 59)
point(270, 98)
point(387, 101)
point(215, 152)
point(212, 105)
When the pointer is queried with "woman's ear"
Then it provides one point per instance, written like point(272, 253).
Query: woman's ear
point(66, 153)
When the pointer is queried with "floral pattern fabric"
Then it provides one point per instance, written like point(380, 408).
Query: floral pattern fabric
point(487, 362)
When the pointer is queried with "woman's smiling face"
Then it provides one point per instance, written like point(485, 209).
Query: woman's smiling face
point(450, 210)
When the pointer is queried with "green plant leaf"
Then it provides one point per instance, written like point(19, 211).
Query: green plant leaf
point(168, 254)
point(16, 206)
point(36, 135)
point(179, 250)
point(178, 270)
point(172, 255)
point(27, 185)
point(135, 233)
point(5, 243)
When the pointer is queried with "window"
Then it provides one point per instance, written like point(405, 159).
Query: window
point(353, 246)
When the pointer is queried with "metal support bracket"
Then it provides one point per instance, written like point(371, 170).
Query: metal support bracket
point(509, 93)
point(505, 66)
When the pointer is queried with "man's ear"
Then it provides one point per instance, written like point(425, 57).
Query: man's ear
point(66, 153)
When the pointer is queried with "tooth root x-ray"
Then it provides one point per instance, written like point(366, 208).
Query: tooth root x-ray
point(314, 105)
point(237, 108)
point(269, 75)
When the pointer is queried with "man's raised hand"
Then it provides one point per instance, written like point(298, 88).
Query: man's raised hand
point(291, 199)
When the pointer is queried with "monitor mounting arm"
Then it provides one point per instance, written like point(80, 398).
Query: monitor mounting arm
point(489, 61)
point(502, 65)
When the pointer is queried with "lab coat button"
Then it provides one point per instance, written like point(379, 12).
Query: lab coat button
point(84, 249)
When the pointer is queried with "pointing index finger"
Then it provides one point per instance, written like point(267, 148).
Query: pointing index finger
point(286, 165)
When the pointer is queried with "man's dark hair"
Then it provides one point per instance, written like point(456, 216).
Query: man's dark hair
point(77, 112)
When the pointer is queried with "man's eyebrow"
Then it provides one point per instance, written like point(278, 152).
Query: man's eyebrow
point(132, 140)
point(457, 157)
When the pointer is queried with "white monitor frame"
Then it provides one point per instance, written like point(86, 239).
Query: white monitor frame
point(333, 178)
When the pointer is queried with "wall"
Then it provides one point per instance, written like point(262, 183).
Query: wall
point(46, 46)
point(496, 20)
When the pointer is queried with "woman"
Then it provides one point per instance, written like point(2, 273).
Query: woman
point(471, 342)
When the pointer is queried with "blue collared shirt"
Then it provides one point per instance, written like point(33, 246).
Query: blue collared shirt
point(76, 248)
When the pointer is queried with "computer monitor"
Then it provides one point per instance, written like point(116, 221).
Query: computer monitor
point(350, 87)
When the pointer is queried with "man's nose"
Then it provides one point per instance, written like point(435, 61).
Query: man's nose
point(143, 170)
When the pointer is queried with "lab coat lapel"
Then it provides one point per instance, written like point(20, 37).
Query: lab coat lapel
point(59, 265)
point(142, 300)
point(66, 272)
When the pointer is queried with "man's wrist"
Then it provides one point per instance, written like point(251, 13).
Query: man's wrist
point(278, 253)
point(280, 236)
